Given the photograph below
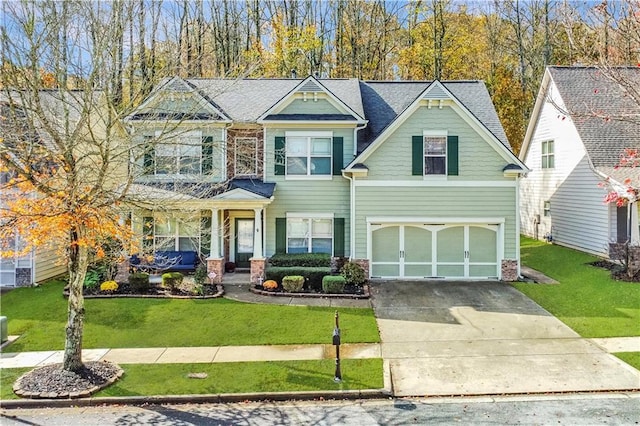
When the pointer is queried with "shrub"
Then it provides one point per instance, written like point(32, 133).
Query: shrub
point(109, 286)
point(307, 260)
point(333, 284)
point(172, 280)
point(270, 285)
point(293, 283)
point(92, 278)
point(200, 276)
point(313, 276)
point(139, 282)
point(353, 274)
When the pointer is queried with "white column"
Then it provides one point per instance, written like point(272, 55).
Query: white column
point(257, 234)
point(214, 248)
point(634, 239)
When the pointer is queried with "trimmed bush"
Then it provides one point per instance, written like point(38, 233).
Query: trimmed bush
point(109, 286)
point(333, 284)
point(293, 283)
point(307, 260)
point(200, 276)
point(313, 276)
point(172, 280)
point(139, 282)
point(353, 274)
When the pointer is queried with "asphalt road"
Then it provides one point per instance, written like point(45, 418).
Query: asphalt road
point(579, 409)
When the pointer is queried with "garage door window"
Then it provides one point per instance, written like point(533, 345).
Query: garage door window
point(309, 235)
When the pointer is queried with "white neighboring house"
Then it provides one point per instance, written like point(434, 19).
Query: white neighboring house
point(572, 146)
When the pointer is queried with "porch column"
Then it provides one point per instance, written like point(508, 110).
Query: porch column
point(214, 248)
point(257, 234)
point(634, 239)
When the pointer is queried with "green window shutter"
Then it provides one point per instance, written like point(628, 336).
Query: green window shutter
point(338, 152)
point(149, 161)
point(147, 233)
point(452, 155)
point(417, 155)
point(207, 155)
point(281, 235)
point(205, 236)
point(279, 155)
point(338, 236)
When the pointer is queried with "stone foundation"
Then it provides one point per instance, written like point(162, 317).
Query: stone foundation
point(364, 263)
point(258, 265)
point(215, 266)
point(122, 275)
point(509, 270)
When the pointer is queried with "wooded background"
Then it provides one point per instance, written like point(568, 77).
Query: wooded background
point(505, 43)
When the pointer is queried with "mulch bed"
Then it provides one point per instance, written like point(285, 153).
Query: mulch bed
point(52, 382)
point(617, 271)
point(350, 292)
point(155, 292)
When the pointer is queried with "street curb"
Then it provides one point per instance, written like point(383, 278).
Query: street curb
point(197, 399)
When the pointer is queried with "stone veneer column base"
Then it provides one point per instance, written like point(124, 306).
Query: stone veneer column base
point(258, 265)
point(509, 270)
point(215, 265)
point(365, 265)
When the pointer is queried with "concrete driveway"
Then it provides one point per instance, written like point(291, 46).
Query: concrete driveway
point(478, 338)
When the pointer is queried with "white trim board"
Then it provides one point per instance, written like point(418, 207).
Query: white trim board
point(437, 183)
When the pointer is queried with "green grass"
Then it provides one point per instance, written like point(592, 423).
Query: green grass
point(631, 358)
point(240, 377)
point(39, 315)
point(587, 299)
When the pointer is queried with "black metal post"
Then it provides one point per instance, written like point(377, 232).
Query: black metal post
point(336, 341)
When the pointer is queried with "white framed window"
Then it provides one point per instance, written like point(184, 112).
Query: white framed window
point(435, 153)
point(311, 233)
point(548, 157)
point(246, 156)
point(8, 265)
point(179, 155)
point(176, 233)
point(547, 209)
point(308, 154)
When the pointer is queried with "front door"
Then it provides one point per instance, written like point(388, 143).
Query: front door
point(244, 242)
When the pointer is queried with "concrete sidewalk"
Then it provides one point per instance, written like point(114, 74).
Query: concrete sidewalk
point(217, 354)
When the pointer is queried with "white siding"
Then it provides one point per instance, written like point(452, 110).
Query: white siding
point(578, 217)
point(48, 265)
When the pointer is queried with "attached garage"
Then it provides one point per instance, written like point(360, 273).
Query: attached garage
point(418, 250)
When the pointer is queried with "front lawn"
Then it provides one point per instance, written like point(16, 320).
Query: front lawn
point(39, 315)
point(236, 377)
point(587, 299)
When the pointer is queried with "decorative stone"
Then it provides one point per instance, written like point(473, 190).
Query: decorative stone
point(215, 269)
point(509, 270)
point(258, 265)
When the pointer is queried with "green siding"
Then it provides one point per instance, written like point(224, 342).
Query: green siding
point(302, 196)
point(477, 159)
point(321, 106)
point(436, 202)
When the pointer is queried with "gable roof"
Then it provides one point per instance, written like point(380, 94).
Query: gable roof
point(596, 104)
point(378, 102)
point(438, 92)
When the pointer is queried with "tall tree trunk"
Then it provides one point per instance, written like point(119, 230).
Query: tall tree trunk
point(78, 261)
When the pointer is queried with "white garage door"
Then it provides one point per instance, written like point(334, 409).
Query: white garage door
point(428, 251)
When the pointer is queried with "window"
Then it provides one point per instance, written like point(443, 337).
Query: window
point(547, 209)
point(308, 154)
point(246, 156)
point(171, 233)
point(309, 235)
point(180, 155)
point(435, 155)
point(8, 265)
point(547, 155)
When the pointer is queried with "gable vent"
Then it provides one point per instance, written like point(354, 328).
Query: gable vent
point(310, 86)
point(178, 86)
point(436, 93)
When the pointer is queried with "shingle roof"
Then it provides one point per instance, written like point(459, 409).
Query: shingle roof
point(200, 190)
point(596, 105)
point(379, 102)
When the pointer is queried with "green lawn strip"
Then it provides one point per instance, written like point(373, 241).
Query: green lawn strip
point(587, 299)
point(39, 316)
point(7, 377)
point(631, 358)
point(236, 377)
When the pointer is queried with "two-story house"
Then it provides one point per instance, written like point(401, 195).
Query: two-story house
point(410, 179)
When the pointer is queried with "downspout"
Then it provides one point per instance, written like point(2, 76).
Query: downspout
point(352, 213)
point(518, 223)
point(355, 139)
